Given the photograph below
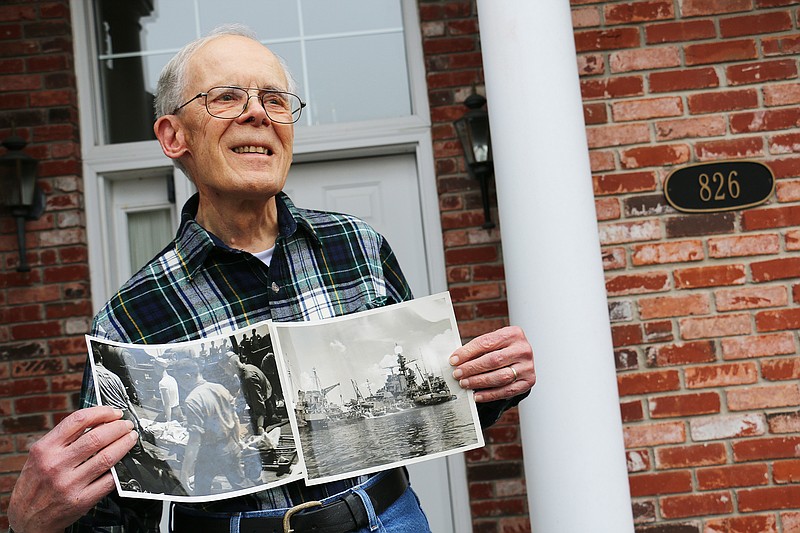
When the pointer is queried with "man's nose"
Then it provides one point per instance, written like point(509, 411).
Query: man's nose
point(256, 111)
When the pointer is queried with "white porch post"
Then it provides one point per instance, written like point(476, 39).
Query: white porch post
point(571, 426)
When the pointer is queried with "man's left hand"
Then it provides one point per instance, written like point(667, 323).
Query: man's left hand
point(497, 365)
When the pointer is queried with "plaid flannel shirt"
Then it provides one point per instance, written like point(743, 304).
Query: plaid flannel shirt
point(323, 265)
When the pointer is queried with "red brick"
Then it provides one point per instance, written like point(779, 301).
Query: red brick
point(660, 483)
point(680, 354)
point(781, 94)
point(658, 331)
point(621, 183)
point(786, 471)
point(755, 24)
point(617, 135)
point(683, 80)
point(585, 17)
point(718, 101)
point(667, 252)
point(757, 219)
point(720, 52)
point(689, 456)
point(757, 346)
point(613, 258)
point(654, 156)
point(601, 161)
point(471, 255)
point(645, 59)
point(784, 268)
point(743, 245)
point(36, 330)
point(645, 109)
point(672, 306)
point(784, 144)
point(730, 149)
point(616, 233)
point(699, 8)
point(784, 422)
point(626, 335)
point(632, 411)
point(667, 130)
point(763, 397)
point(709, 276)
point(696, 505)
point(781, 46)
point(681, 31)
point(648, 382)
point(611, 39)
point(637, 283)
point(591, 64)
point(616, 87)
point(781, 69)
point(715, 326)
point(607, 208)
point(781, 369)
point(727, 426)
point(751, 298)
point(778, 320)
point(637, 460)
point(595, 113)
point(37, 404)
point(683, 405)
point(765, 120)
point(725, 477)
point(742, 524)
point(628, 13)
point(485, 291)
point(766, 498)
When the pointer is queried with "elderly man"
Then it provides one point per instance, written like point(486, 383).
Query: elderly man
point(243, 253)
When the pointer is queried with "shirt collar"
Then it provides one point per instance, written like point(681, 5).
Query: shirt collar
point(193, 243)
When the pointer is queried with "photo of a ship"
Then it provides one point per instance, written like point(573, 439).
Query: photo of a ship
point(377, 387)
point(405, 388)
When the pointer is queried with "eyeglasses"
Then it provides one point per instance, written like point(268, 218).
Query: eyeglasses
point(230, 102)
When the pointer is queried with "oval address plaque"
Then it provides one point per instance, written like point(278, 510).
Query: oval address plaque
point(719, 186)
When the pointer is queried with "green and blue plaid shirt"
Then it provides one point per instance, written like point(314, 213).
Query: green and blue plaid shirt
point(323, 265)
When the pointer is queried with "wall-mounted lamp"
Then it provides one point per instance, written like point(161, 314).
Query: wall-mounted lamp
point(473, 131)
point(19, 193)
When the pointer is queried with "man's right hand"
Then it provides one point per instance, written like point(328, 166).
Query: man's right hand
point(68, 470)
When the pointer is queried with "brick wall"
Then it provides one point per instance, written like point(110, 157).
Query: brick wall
point(43, 313)
point(704, 307)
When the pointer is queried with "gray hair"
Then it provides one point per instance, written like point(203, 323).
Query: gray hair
point(172, 81)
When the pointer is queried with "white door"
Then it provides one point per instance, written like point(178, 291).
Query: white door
point(384, 191)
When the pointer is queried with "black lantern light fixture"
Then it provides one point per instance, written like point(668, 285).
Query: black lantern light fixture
point(473, 131)
point(19, 193)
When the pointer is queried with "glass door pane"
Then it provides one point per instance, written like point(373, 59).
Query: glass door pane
point(348, 56)
point(148, 231)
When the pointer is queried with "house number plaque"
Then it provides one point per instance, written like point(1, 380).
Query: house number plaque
point(719, 186)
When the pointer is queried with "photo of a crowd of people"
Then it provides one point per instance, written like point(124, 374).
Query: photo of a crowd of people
point(211, 415)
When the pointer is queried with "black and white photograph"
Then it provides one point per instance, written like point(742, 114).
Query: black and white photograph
point(374, 390)
point(211, 416)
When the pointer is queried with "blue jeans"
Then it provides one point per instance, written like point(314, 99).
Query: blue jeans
point(404, 516)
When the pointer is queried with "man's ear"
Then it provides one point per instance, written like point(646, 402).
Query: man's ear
point(169, 132)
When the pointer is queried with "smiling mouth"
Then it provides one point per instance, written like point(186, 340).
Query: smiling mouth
point(252, 150)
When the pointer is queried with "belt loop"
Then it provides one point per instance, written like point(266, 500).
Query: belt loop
point(374, 522)
point(235, 521)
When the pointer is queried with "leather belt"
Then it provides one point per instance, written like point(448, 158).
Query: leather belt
point(339, 516)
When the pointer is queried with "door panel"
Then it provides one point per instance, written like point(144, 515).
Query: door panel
point(384, 192)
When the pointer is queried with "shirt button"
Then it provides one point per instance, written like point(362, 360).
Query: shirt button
point(275, 287)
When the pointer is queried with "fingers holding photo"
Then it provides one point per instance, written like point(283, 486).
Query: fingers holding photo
point(496, 365)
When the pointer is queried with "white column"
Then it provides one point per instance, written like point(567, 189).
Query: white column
point(571, 426)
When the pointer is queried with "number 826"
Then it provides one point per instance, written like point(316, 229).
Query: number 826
point(718, 186)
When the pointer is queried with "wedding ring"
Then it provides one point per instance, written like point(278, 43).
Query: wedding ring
point(516, 376)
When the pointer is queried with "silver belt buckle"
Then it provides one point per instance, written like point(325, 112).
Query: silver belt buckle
point(287, 517)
